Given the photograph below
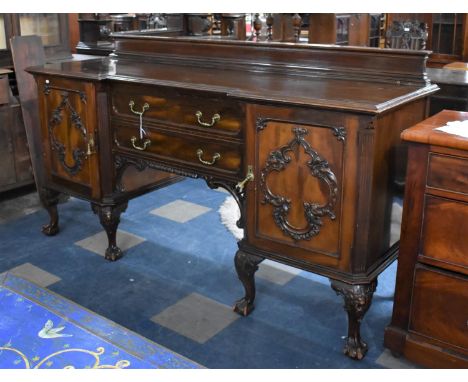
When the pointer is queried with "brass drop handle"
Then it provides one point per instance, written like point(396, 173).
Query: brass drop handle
point(146, 143)
point(145, 107)
point(249, 177)
point(216, 117)
point(140, 114)
point(216, 156)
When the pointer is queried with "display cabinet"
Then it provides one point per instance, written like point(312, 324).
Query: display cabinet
point(51, 27)
point(357, 29)
point(447, 34)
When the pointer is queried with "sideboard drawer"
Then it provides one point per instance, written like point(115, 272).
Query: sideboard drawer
point(439, 306)
point(448, 173)
point(445, 223)
point(174, 106)
point(206, 153)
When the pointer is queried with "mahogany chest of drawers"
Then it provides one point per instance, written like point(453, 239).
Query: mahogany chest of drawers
point(430, 315)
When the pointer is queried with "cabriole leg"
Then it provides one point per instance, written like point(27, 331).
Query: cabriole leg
point(357, 300)
point(109, 216)
point(49, 200)
point(246, 266)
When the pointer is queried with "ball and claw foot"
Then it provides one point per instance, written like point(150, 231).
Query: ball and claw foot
point(355, 349)
point(50, 229)
point(113, 253)
point(243, 307)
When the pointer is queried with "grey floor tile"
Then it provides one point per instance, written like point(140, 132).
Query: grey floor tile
point(23, 205)
point(386, 359)
point(98, 242)
point(196, 317)
point(276, 272)
point(35, 274)
point(180, 211)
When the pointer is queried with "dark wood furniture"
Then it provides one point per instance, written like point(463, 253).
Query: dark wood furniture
point(429, 324)
point(95, 29)
point(71, 155)
point(407, 35)
point(447, 34)
point(355, 29)
point(457, 65)
point(307, 150)
point(453, 94)
point(15, 165)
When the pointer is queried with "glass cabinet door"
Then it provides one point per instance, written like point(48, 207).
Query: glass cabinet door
point(3, 44)
point(45, 25)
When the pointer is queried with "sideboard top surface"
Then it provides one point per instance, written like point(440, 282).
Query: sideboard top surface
point(301, 90)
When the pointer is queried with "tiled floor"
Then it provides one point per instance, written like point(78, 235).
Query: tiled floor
point(35, 274)
point(197, 316)
point(98, 243)
point(180, 211)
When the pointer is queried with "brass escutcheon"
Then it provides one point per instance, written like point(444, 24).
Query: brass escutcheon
point(216, 157)
point(216, 117)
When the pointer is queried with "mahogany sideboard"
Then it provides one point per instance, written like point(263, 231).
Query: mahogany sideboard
point(429, 324)
point(303, 136)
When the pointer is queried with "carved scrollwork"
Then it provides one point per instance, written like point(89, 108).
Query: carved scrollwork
point(78, 154)
point(261, 123)
point(239, 196)
point(277, 161)
point(339, 133)
point(121, 163)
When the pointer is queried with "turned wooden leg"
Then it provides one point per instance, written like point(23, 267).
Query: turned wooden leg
point(109, 216)
point(246, 266)
point(49, 200)
point(357, 300)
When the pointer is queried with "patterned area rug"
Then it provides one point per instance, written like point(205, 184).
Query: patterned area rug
point(41, 330)
point(176, 285)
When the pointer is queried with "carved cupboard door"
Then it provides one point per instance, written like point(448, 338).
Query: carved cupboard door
point(69, 134)
point(295, 203)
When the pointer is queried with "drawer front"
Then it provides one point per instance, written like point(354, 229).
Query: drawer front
point(448, 173)
point(445, 231)
point(190, 109)
point(439, 306)
point(202, 153)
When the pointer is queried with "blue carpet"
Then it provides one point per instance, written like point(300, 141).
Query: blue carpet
point(41, 330)
point(296, 325)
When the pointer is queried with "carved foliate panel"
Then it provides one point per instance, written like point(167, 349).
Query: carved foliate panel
point(314, 212)
point(299, 189)
point(68, 135)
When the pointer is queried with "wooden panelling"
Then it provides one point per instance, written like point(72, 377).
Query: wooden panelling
point(429, 323)
point(439, 306)
point(448, 173)
point(445, 223)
